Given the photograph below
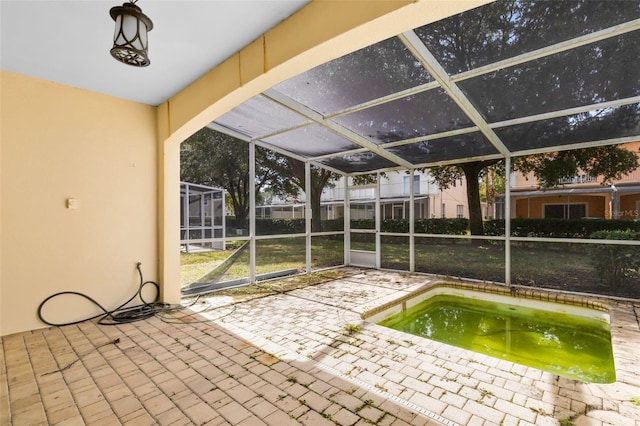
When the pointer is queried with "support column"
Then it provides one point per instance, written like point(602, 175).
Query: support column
point(412, 218)
point(347, 223)
point(185, 212)
point(378, 220)
point(308, 212)
point(252, 212)
point(615, 203)
point(169, 221)
point(507, 223)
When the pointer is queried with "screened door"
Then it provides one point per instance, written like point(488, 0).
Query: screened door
point(364, 241)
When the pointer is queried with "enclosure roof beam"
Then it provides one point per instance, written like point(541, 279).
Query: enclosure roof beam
point(337, 128)
point(550, 50)
point(565, 112)
point(420, 51)
point(590, 144)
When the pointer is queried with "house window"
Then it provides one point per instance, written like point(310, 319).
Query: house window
point(416, 184)
point(565, 211)
point(420, 209)
point(459, 211)
point(397, 211)
point(363, 211)
point(443, 213)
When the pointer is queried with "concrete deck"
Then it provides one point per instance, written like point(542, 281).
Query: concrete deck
point(291, 359)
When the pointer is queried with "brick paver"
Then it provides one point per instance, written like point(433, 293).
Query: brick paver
point(302, 357)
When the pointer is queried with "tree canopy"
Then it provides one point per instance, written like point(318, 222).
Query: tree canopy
point(550, 169)
point(216, 159)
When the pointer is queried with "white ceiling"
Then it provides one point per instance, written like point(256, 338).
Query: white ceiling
point(68, 42)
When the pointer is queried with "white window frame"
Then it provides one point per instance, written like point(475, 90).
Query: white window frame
point(416, 184)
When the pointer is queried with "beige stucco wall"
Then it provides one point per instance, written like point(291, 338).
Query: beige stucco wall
point(57, 143)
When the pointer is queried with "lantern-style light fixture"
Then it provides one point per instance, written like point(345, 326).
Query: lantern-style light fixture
point(130, 43)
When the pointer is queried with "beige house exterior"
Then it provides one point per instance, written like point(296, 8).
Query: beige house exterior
point(430, 201)
point(581, 197)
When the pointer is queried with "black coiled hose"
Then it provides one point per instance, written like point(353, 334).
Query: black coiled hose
point(119, 315)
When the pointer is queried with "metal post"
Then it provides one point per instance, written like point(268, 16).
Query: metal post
point(252, 212)
point(507, 223)
point(185, 209)
point(224, 222)
point(615, 203)
point(347, 223)
point(378, 220)
point(307, 215)
point(412, 218)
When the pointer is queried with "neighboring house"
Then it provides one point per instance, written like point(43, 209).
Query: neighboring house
point(582, 196)
point(202, 217)
point(429, 200)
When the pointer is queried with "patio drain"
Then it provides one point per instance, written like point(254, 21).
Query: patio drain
point(387, 395)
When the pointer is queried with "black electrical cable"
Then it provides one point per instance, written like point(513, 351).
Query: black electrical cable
point(119, 315)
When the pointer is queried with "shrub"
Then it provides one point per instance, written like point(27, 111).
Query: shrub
point(421, 226)
point(332, 225)
point(558, 228)
point(395, 225)
point(442, 226)
point(613, 263)
point(297, 226)
point(280, 226)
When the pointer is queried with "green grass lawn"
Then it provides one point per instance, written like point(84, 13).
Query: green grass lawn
point(271, 256)
point(554, 266)
point(195, 265)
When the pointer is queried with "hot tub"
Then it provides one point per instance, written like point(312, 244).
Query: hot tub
point(562, 334)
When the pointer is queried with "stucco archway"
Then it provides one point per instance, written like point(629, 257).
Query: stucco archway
point(316, 34)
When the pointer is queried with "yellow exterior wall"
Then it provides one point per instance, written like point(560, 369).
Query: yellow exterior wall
point(629, 207)
point(321, 31)
point(57, 143)
point(533, 207)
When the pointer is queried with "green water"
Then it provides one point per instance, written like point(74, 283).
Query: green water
point(567, 345)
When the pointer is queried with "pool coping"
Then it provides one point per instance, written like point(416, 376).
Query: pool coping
point(619, 318)
point(490, 288)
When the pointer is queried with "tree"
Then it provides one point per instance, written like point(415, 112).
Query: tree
point(610, 162)
point(492, 184)
point(293, 171)
point(216, 159)
point(472, 172)
point(599, 72)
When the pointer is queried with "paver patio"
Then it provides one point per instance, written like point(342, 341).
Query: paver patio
point(297, 358)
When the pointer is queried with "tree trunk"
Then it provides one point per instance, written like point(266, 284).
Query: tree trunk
point(241, 213)
point(316, 223)
point(472, 175)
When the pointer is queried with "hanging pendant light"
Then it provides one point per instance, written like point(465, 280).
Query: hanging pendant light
point(130, 43)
